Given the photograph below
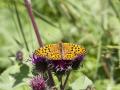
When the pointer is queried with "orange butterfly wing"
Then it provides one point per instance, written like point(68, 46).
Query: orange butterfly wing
point(71, 51)
point(62, 51)
point(50, 52)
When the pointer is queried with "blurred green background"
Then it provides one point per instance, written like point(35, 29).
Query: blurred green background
point(95, 24)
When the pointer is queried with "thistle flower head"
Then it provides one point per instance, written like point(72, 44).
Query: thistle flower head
point(36, 59)
point(39, 63)
point(62, 66)
point(38, 83)
point(76, 62)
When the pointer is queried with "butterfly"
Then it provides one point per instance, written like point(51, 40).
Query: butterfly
point(60, 51)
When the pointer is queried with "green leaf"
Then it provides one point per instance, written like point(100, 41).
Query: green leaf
point(81, 83)
point(22, 86)
point(13, 76)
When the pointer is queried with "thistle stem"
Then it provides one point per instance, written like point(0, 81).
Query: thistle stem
point(61, 85)
point(29, 9)
point(68, 74)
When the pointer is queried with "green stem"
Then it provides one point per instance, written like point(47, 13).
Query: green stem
point(20, 25)
point(61, 86)
point(98, 57)
point(68, 74)
point(114, 9)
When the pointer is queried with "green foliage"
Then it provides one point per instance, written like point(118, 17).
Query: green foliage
point(14, 78)
point(79, 81)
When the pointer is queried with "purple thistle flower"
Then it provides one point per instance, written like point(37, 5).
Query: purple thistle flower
point(38, 83)
point(61, 66)
point(39, 63)
point(36, 59)
point(58, 66)
point(76, 62)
